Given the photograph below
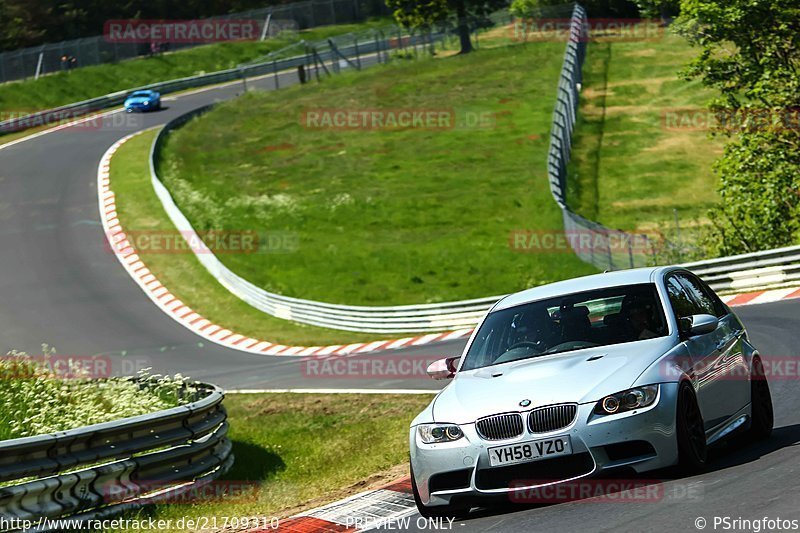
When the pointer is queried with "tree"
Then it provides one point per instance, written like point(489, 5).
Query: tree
point(658, 8)
point(430, 13)
point(750, 53)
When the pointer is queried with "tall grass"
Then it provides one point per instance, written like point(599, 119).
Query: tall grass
point(36, 401)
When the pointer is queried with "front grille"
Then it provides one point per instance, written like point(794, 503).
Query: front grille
point(552, 418)
point(500, 427)
point(535, 473)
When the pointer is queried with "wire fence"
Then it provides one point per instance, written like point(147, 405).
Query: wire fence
point(605, 248)
point(49, 58)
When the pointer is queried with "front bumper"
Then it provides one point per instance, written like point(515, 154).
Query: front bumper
point(141, 107)
point(643, 440)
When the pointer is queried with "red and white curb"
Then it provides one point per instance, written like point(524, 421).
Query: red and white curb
point(192, 320)
point(761, 297)
point(390, 507)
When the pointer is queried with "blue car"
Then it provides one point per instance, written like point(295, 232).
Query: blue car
point(143, 101)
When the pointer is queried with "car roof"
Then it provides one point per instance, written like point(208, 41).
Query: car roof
point(143, 91)
point(582, 284)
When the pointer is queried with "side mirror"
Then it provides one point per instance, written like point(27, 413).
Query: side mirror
point(694, 325)
point(443, 368)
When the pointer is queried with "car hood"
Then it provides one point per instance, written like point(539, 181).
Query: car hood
point(581, 376)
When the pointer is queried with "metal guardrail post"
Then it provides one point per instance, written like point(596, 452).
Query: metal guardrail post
point(358, 55)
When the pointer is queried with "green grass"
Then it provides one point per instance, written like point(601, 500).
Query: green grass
point(140, 210)
point(306, 450)
point(88, 82)
point(628, 170)
point(385, 217)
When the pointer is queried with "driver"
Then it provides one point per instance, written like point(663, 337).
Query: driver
point(639, 319)
point(534, 327)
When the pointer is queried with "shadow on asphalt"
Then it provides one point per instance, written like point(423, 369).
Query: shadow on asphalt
point(731, 453)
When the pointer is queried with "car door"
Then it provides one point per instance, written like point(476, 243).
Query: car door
point(729, 366)
point(702, 353)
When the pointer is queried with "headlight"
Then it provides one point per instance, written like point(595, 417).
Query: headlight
point(627, 400)
point(432, 433)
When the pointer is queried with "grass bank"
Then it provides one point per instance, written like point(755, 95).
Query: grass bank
point(639, 155)
point(140, 210)
point(299, 451)
point(380, 214)
point(88, 82)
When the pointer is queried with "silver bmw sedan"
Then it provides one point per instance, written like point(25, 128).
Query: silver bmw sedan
point(641, 369)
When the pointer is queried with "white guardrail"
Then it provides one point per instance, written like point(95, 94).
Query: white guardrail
point(755, 271)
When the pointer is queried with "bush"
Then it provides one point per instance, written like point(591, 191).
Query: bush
point(36, 402)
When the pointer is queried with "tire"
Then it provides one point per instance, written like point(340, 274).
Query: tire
point(763, 417)
point(692, 448)
point(438, 511)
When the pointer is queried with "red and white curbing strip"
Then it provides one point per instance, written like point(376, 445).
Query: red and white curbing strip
point(389, 507)
point(203, 327)
point(761, 297)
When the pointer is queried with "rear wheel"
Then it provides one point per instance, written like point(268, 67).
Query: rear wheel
point(692, 449)
point(761, 402)
point(438, 511)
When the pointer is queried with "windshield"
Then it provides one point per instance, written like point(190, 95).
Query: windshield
point(140, 94)
point(569, 322)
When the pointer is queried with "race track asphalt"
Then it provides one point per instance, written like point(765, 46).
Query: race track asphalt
point(59, 285)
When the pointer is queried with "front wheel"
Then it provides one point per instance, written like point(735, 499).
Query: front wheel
point(438, 511)
point(761, 403)
point(692, 448)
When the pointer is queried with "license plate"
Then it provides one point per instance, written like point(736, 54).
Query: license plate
point(533, 450)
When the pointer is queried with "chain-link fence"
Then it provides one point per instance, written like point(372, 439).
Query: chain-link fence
point(41, 60)
point(592, 242)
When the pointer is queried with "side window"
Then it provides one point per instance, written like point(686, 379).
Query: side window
point(706, 302)
point(680, 300)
